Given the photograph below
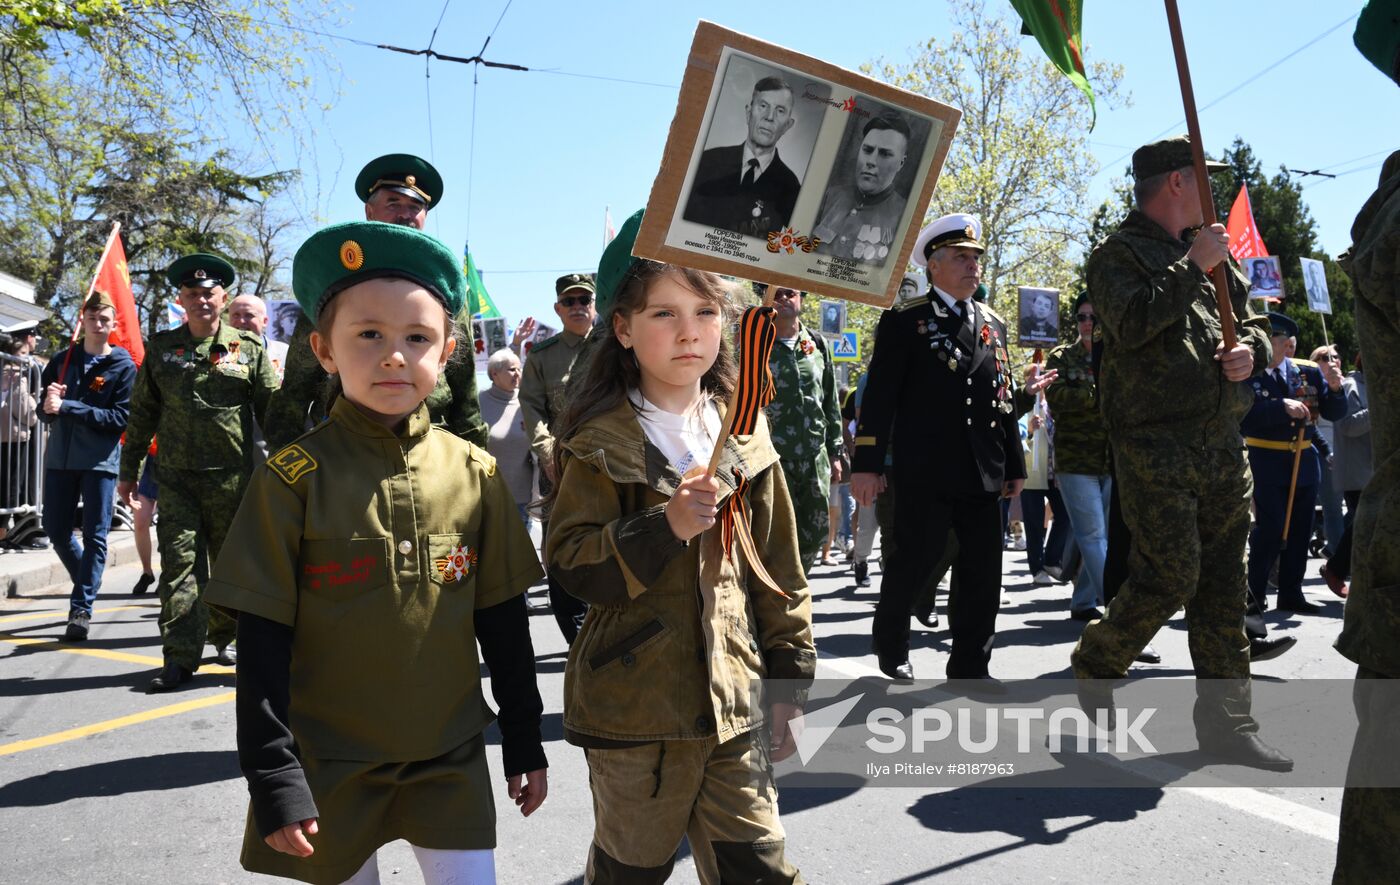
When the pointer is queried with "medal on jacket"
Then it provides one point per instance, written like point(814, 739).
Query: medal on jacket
point(757, 208)
point(98, 383)
point(457, 564)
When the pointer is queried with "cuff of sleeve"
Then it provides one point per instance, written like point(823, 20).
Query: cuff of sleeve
point(791, 663)
point(523, 754)
point(279, 799)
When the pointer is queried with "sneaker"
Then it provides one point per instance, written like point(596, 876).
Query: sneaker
point(1043, 578)
point(226, 655)
point(1054, 571)
point(77, 627)
point(143, 585)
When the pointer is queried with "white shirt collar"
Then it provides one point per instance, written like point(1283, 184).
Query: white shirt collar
point(764, 160)
point(952, 303)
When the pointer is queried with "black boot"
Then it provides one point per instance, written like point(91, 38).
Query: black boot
point(862, 570)
point(171, 677)
point(1244, 749)
point(143, 585)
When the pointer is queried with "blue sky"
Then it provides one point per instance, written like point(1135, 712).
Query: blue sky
point(553, 149)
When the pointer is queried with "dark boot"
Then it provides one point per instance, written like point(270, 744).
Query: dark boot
point(862, 570)
point(1244, 749)
point(77, 627)
point(143, 584)
point(171, 677)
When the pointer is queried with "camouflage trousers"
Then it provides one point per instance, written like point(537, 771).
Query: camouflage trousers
point(809, 486)
point(1367, 850)
point(1188, 513)
point(196, 509)
point(720, 796)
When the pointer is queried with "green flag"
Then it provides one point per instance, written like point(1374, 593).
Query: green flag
point(479, 302)
point(1056, 25)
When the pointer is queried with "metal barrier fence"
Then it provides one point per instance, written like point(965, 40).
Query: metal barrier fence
point(22, 441)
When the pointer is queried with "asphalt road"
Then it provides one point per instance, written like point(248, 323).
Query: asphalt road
point(100, 781)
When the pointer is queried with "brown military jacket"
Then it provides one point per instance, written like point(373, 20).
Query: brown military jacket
point(1159, 381)
point(676, 633)
point(1371, 629)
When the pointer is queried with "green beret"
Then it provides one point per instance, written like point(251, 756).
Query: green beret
point(1377, 36)
point(200, 270)
point(337, 257)
point(617, 260)
point(1282, 325)
point(409, 175)
point(574, 281)
point(1168, 155)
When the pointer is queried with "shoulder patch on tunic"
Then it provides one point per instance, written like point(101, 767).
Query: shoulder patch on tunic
point(548, 342)
point(991, 313)
point(292, 463)
point(482, 457)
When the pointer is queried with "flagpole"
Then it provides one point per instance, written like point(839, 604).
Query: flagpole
point(1193, 128)
point(78, 324)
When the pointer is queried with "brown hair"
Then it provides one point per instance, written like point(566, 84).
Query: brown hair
point(614, 370)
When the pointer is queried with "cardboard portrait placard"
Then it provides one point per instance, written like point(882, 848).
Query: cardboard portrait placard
point(833, 318)
point(1265, 277)
point(787, 170)
point(1315, 283)
point(1038, 317)
point(488, 336)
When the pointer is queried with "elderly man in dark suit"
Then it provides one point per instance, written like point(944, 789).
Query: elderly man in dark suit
point(747, 188)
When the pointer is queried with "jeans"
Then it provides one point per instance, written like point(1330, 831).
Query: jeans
point(1333, 523)
point(1086, 498)
point(1039, 551)
point(847, 505)
point(85, 562)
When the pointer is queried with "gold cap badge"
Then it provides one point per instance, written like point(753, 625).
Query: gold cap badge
point(351, 255)
point(971, 234)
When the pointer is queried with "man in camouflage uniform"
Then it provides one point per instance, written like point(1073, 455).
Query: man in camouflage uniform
point(551, 365)
point(1172, 398)
point(805, 422)
point(1367, 850)
point(396, 189)
point(200, 388)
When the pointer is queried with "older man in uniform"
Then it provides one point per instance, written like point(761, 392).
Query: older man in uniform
point(805, 422)
point(1172, 398)
point(1367, 850)
point(859, 223)
point(200, 388)
point(396, 189)
point(543, 392)
point(940, 392)
point(1290, 394)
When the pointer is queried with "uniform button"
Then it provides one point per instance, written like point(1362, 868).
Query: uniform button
point(969, 401)
point(969, 382)
point(702, 723)
point(993, 424)
point(405, 547)
point(969, 422)
point(629, 659)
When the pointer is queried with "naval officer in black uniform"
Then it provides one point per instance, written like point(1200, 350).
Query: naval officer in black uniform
point(940, 391)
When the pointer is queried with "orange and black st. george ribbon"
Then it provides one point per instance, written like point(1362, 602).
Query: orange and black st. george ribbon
point(757, 335)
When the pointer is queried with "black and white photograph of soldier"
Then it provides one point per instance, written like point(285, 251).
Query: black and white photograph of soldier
point(833, 317)
point(910, 289)
point(1265, 280)
point(871, 177)
point(756, 152)
point(282, 319)
point(1315, 282)
point(1039, 316)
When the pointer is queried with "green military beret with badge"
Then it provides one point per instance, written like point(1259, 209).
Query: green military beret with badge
point(1377, 36)
point(574, 281)
point(406, 174)
point(337, 257)
point(200, 271)
point(617, 260)
point(1168, 155)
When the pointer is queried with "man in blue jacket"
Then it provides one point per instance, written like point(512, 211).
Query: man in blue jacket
point(86, 410)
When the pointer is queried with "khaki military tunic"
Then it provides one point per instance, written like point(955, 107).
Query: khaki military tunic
point(858, 228)
point(377, 549)
point(548, 369)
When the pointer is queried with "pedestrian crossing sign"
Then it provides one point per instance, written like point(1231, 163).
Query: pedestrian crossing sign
point(845, 348)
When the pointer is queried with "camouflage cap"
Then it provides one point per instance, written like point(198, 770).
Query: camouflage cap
point(337, 257)
point(1281, 325)
point(1377, 36)
point(200, 271)
point(1167, 155)
point(409, 175)
point(617, 260)
point(574, 281)
point(98, 300)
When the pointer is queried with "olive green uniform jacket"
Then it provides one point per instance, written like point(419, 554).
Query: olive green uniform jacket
point(543, 381)
point(676, 633)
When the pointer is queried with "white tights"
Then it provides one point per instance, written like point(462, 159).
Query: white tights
point(440, 867)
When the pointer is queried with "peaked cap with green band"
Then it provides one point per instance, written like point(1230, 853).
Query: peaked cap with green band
point(617, 260)
point(409, 175)
point(337, 257)
point(200, 270)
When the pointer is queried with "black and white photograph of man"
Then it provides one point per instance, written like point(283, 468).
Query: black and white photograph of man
point(872, 175)
point(1040, 316)
point(757, 149)
point(282, 320)
point(833, 317)
point(1315, 282)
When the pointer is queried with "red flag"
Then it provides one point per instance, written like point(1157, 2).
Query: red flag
point(112, 278)
point(1245, 241)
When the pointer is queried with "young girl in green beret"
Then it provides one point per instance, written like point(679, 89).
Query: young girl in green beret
point(659, 685)
point(379, 551)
